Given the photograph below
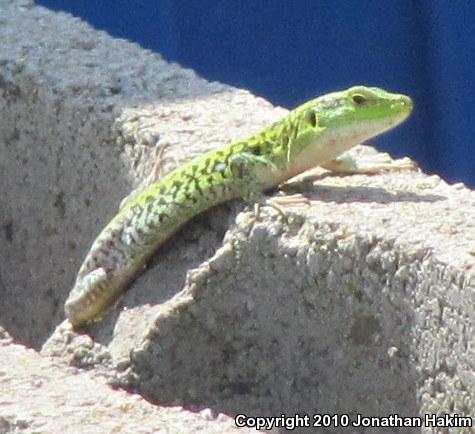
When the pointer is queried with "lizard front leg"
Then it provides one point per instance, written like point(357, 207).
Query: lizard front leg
point(346, 164)
point(245, 168)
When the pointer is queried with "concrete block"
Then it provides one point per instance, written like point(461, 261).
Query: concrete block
point(362, 303)
point(40, 395)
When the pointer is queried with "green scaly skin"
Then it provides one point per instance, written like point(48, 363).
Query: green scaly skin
point(313, 134)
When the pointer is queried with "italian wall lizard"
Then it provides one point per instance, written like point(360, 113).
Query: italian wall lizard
point(313, 134)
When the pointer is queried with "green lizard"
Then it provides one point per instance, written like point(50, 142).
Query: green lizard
point(314, 134)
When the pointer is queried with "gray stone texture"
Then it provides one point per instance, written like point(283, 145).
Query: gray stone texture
point(40, 395)
point(361, 302)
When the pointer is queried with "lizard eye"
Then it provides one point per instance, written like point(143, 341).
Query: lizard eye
point(358, 99)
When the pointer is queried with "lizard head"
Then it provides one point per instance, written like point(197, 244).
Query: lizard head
point(325, 127)
point(359, 113)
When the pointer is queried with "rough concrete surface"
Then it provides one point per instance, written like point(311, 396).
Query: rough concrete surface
point(39, 395)
point(361, 303)
point(82, 116)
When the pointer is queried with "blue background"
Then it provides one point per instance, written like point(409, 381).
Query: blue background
point(291, 51)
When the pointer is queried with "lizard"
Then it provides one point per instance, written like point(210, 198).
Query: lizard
point(317, 133)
